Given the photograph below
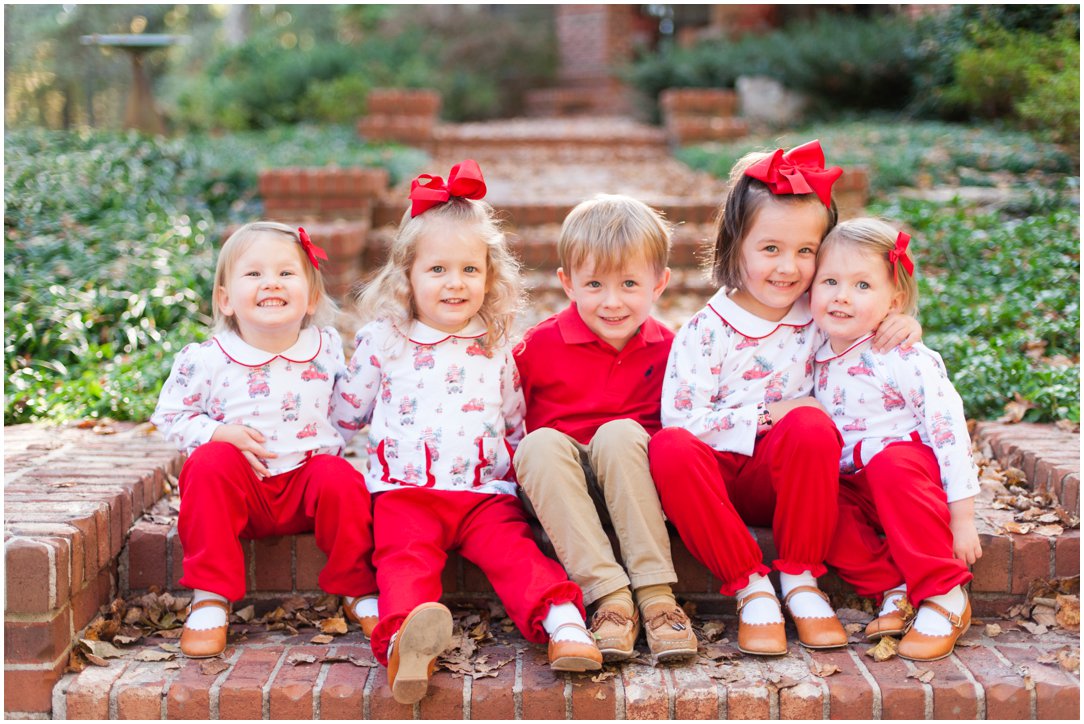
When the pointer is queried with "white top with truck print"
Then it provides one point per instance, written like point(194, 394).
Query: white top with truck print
point(286, 397)
point(726, 360)
point(877, 399)
point(443, 410)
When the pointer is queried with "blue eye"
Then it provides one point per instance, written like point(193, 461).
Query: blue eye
point(829, 282)
point(771, 248)
point(470, 269)
point(863, 285)
point(437, 269)
point(594, 285)
point(629, 284)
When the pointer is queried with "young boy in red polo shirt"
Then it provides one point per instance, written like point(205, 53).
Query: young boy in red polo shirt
point(592, 378)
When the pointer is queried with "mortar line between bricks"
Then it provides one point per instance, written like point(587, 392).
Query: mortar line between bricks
point(171, 677)
point(216, 685)
point(318, 687)
point(367, 694)
point(111, 696)
point(826, 694)
point(722, 708)
point(266, 691)
point(620, 703)
point(874, 686)
point(568, 695)
point(60, 697)
point(1051, 543)
point(1033, 704)
point(980, 693)
point(517, 686)
point(41, 463)
point(468, 691)
point(927, 691)
point(773, 691)
point(671, 696)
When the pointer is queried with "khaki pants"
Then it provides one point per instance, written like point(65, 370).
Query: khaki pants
point(574, 489)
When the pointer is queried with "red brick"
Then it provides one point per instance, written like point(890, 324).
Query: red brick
point(241, 694)
point(139, 691)
point(696, 695)
point(273, 563)
point(381, 703)
point(901, 698)
point(749, 698)
point(1057, 694)
point(189, 695)
point(954, 696)
point(494, 697)
point(36, 573)
point(176, 558)
point(38, 642)
point(92, 519)
point(75, 541)
point(31, 690)
point(993, 572)
point(1070, 493)
point(88, 696)
point(452, 577)
point(343, 694)
point(849, 693)
point(595, 700)
point(310, 561)
point(445, 697)
point(1067, 554)
point(691, 574)
point(645, 692)
point(802, 701)
point(292, 689)
point(147, 546)
point(1030, 560)
point(117, 503)
point(543, 694)
point(1004, 690)
point(96, 593)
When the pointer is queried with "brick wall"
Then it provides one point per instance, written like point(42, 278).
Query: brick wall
point(398, 114)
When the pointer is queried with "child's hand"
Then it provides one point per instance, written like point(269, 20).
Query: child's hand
point(249, 442)
point(965, 539)
point(778, 409)
point(897, 329)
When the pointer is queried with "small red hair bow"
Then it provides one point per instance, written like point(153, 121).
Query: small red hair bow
point(464, 181)
point(311, 250)
point(899, 254)
point(798, 171)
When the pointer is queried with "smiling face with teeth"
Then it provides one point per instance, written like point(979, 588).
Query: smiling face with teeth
point(448, 276)
point(268, 292)
point(779, 257)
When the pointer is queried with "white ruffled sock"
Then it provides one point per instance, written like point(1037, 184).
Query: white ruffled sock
point(208, 617)
point(933, 623)
point(804, 604)
point(759, 610)
point(888, 605)
point(363, 606)
point(561, 614)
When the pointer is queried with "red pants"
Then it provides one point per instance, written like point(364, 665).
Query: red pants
point(222, 500)
point(898, 493)
point(790, 482)
point(414, 529)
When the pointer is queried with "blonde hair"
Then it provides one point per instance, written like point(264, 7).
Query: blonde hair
point(878, 238)
point(739, 211)
point(609, 229)
point(388, 294)
point(238, 243)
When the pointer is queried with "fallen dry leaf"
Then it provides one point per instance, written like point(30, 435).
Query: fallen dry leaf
point(296, 659)
point(1069, 659)
point(993, 629)
point(1050, 531)
point(923, 675)
point(1034, 628)
point(1015, 410)
point(97, 660)
point(335, 625)
point(322, 639)
point(152, 655)
point(104, 649)
point(713, 630)
point(603, 675)
point(246, 614)
point(172, 665)
point(338, 658)
point(1068, 612)
point(1018, 528)
point(823, 670)
point(212, 667)
point(884, 650)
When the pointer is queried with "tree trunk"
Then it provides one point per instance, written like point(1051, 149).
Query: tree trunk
point(236, 24)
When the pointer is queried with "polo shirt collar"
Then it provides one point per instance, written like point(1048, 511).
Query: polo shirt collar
point(826, 354)
point(575, 331)
point(424, 334)
point(752, 326)
point(304, 349)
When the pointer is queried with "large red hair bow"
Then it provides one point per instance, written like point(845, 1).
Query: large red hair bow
point(311, 250)
point(899, 254)
point(798, 171)
point(464, 181)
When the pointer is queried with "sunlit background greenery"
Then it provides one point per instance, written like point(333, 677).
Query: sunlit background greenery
point(109, 235)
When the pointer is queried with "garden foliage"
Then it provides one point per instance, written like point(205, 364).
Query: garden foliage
point(109, 255)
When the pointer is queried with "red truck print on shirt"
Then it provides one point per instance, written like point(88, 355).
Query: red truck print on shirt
point(761, 368)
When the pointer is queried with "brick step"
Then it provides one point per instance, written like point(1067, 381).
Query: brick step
point(986, 678)
point(1048, 457)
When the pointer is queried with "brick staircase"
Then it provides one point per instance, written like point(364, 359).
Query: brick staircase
point(86, 519)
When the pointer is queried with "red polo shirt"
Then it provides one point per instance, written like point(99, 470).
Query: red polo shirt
point(574, 382)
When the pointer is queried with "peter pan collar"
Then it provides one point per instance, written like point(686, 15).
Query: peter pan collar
point(305, 349)
point(752, 326)
point(825, 353)
point(424, 334)
point(575, 331)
